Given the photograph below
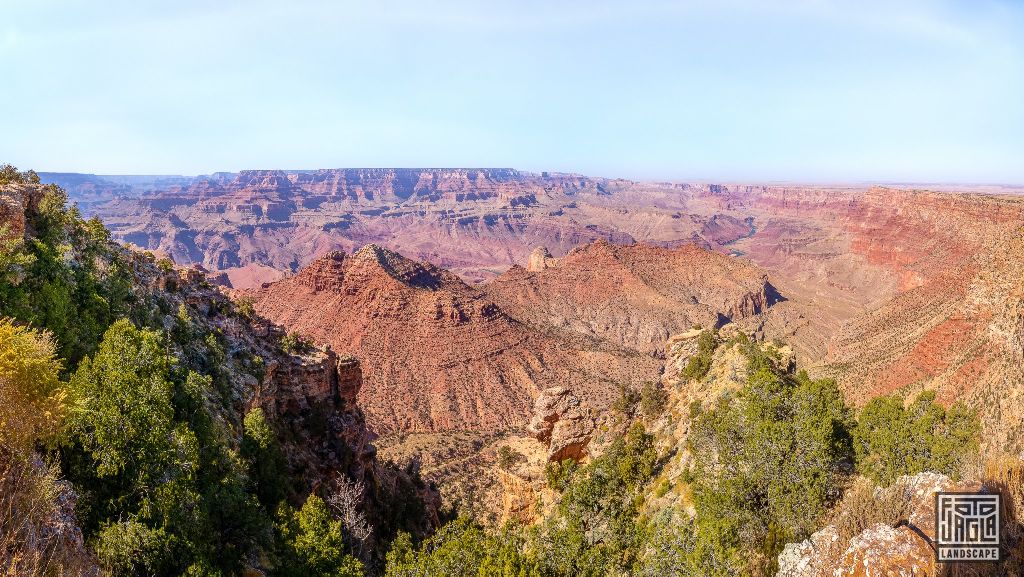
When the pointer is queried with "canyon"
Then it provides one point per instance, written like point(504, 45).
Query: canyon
point(886, 289)
point(472, 327)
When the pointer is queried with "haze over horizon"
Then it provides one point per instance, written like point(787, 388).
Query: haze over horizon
point(805, 91)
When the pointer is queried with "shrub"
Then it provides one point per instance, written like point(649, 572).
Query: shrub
point(257, 367)
point(33, 401)
point(892, 440)
point(864, 505)
point(507, 457)
point(652, 400)
point(627, 400)
point(33, 540)
point(129, 548)
point(674, 547)
point(462, 549)
point(558, 473)
point(699, 364)
point(246, 307)
point(165, 265)
point(634, 456)
point(1005, 475)
point(295, 343)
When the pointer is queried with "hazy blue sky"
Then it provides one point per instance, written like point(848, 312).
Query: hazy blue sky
point(724, 90)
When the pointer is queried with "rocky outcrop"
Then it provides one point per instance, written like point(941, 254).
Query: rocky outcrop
point(563, 423)
point(901, 550)
point(314, 395)
point(539, 260)
point(15, 202)
point(518, 499)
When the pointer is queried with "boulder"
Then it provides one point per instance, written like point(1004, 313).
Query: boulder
point(562, 422)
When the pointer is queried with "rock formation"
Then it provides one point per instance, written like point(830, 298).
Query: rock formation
point(563, 423)
point(14, 202)
point(539, 260)
point(436, 353)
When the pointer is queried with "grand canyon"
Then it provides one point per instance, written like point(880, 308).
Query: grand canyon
point(416, 344)
point(495, 283)
point(612, 288)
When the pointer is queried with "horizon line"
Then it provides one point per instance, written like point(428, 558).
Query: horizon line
point(682, 180)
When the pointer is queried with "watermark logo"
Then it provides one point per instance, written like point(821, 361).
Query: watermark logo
point(966, 527)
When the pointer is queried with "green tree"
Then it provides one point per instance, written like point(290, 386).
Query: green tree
point(462, 549)
point(652, 400)
point(125, 417)
point(246, 307)
point(315, 544)
point(266, 461)
point(675, 548)
point(766, 462)
point(699, 364)
point(559, 473)
point(507, 457)
point(130, 548)
point(295, 343)
point(626, 401)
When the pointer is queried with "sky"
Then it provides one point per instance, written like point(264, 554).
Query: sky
point(744, 90)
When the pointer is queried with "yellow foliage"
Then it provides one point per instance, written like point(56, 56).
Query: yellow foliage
point(33, 400)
